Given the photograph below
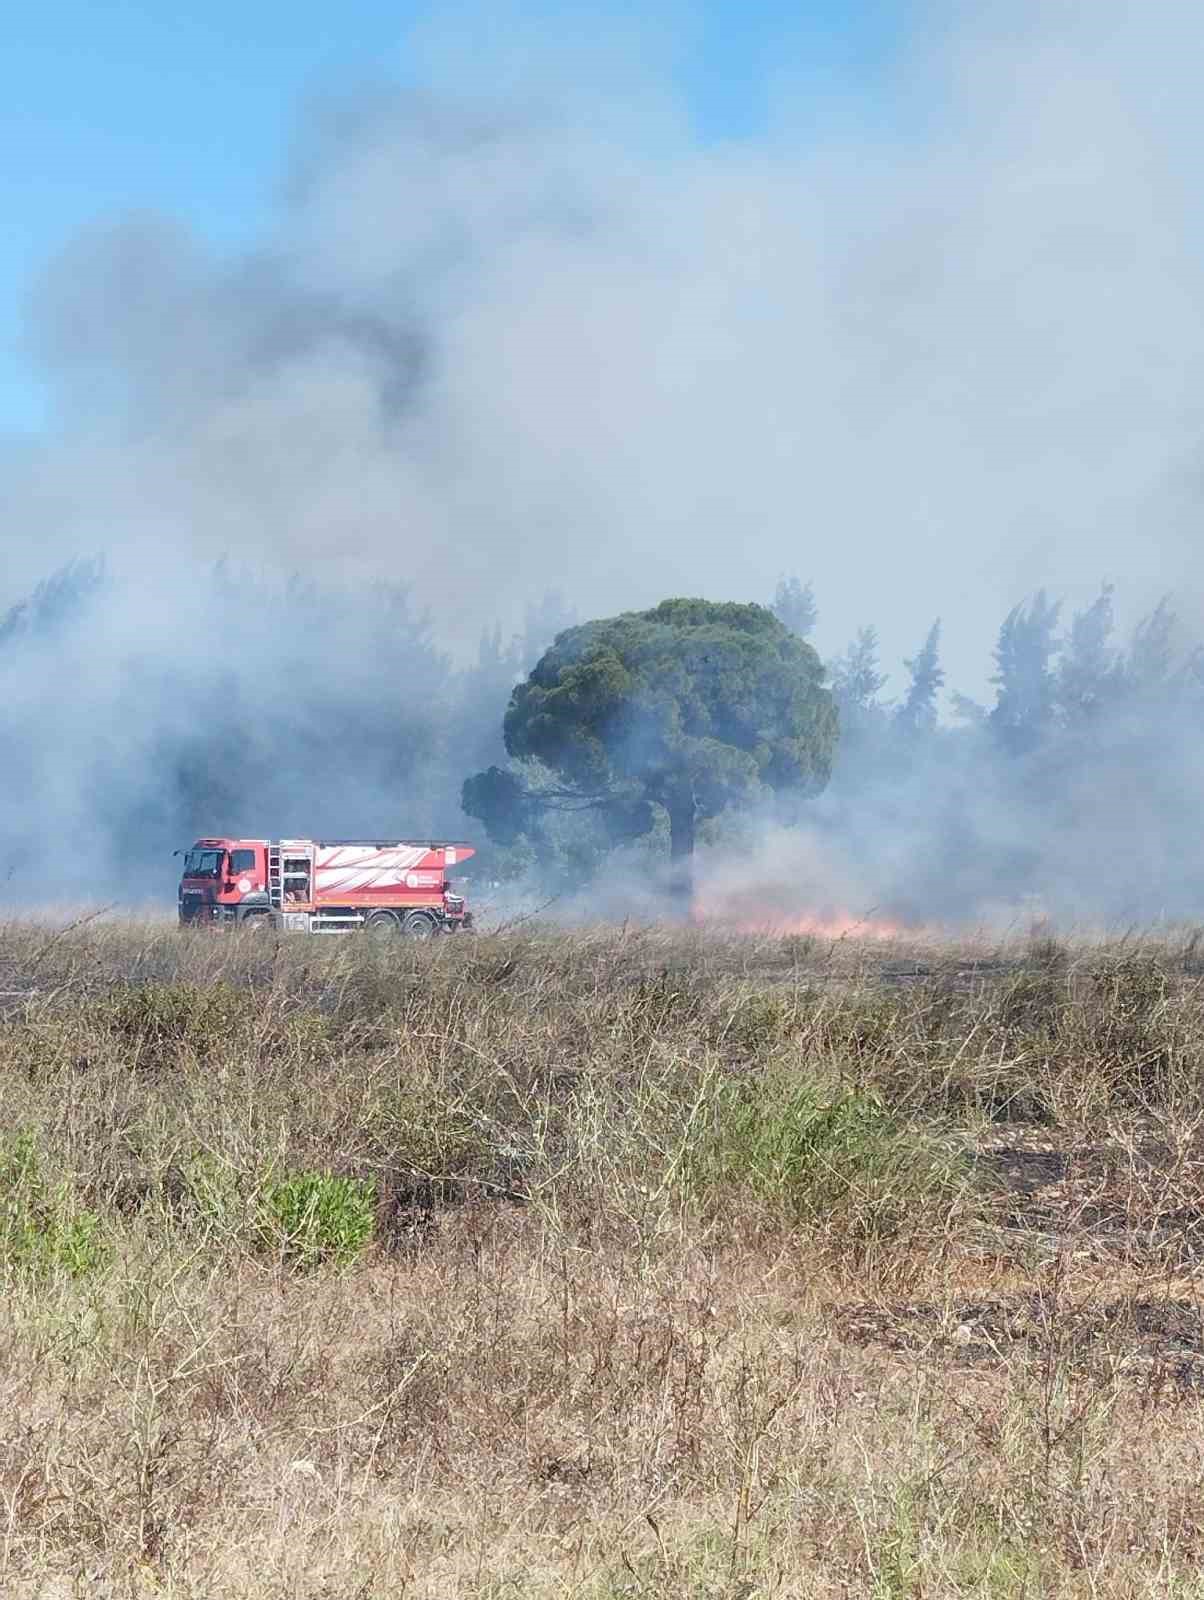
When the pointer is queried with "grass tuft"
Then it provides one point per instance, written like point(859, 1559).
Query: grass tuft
point(837, 1163)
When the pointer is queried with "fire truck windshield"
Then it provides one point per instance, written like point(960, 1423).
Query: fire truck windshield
point(203, 863)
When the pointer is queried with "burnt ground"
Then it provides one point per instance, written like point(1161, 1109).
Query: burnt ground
point(1140, 1200)
point(1107, 1239)
point(1147, 1338)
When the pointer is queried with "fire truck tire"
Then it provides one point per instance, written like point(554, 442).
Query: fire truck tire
point(382, 925)
point(419, 926)
point(256, 922)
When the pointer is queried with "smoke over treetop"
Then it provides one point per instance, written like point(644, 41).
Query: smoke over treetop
point(489, 350)
point(497, 343)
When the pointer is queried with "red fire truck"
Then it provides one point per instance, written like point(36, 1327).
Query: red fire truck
point(384, 886)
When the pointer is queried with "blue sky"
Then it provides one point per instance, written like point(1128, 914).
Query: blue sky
point(188, 107)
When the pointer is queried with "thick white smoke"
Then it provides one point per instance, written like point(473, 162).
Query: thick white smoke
point(519, 329)
point(496, 343)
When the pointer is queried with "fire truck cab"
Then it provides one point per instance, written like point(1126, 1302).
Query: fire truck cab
point(381, 886)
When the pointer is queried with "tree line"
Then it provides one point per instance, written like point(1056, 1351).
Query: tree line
point(1053, 675)
point(1072, 783)
point(132, 722)
point(309, 708)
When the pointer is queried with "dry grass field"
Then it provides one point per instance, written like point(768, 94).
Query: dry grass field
point(606, 1264)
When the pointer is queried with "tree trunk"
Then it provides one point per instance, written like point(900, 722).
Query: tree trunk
point(681, 853)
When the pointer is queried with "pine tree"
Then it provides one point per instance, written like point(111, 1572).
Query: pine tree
point(495, 659)
point(917, 714)
point(56, 602)
point(794, 606)
point(1150, 663)
point(1024, 679)
point(856, 679)
point(683, 710)
point(1087, 673)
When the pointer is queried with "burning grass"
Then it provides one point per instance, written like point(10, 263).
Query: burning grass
point(622, 1263)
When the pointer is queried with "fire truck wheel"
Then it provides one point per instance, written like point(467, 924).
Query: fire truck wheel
point(382, 925)
point(419, 926)
point(257, 922)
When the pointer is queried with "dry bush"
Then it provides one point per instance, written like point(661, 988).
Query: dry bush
point(619, 1263)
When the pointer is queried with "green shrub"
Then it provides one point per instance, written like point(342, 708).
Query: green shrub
point(842, 1162)
point(42, 1230)
point(156, 1021)
point(315, 1217)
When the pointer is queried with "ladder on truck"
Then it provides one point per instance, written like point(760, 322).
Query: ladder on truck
point(290, 875)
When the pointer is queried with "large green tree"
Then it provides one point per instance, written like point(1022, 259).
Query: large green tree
point(689, 707)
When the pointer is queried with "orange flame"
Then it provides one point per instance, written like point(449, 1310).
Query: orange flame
point(835, 925)
point(767, 920)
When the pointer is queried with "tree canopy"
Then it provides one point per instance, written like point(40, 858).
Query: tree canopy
point(689, 707)
point(1027, 688)
point(918, 713)
point(794, 604)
